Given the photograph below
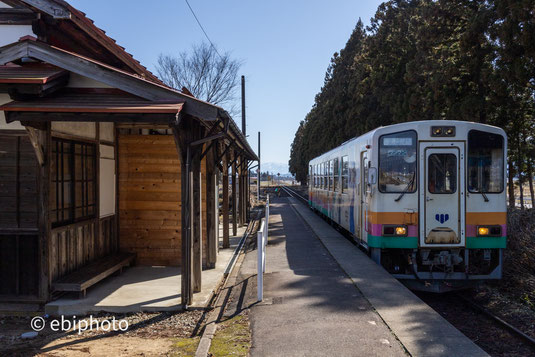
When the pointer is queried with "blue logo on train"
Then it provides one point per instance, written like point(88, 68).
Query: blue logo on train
point(442, 217)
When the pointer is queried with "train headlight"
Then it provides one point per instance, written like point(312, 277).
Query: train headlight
point(443, 131)
point(483, 231)
point(390, 230)
point(489, 231)
point(401, 231)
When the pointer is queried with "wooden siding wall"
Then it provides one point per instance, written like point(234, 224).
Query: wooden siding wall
point(18, 182)
point(19, 244)
point(150, 199)
point(75, 245)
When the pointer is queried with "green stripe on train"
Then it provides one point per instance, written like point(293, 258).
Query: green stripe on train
point(412, 242)
point(485, 242)
point(392, 242)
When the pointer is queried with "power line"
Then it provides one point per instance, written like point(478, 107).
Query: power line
point(202, 28)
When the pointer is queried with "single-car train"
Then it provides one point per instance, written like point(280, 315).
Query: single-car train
point(426, 199)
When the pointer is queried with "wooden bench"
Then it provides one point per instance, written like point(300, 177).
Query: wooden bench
point(83, 278)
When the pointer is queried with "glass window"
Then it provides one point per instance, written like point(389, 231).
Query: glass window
point(331, 175)
point(316, 177)
point(397, 162)
point(320, 173)
point(326, 175)
point(73, 182)
point(485, 162)
point(345, 173)
point(336, 174)
point(442, 173)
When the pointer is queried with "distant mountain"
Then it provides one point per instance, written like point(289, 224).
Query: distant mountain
point(275, 168)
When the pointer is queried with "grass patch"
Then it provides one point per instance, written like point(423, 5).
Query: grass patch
point(232, 338)
point(519, 257)
point(184, 346)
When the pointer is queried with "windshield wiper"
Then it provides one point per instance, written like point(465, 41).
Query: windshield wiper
point(406, 187)
point(483, 194)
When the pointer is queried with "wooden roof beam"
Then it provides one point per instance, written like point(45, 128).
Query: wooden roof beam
point(51, 8)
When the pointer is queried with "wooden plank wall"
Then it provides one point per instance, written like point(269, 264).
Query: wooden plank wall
point(18, 182)
point(75, 245)
point(150, 199)
point(19, 245)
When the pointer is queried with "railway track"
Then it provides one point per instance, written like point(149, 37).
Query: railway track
point(294, 194)
point(461, 311)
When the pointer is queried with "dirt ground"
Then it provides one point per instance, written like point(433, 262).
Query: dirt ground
point(148, 334)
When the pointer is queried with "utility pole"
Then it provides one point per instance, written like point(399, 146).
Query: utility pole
point(243, 106)
point(258, 172)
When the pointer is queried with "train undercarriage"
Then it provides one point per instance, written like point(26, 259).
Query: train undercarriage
point(440, 270)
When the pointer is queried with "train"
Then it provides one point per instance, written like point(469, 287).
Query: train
point(425, 199)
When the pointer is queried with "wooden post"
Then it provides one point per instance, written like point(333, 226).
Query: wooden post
point(196, 222)
point(244, 203)
point(234, 200)
point(217, 222)
point(247, 193)
point(240, 193)
point(211, 228)
point(226, 241)
point(181, 140)
point(43, 142)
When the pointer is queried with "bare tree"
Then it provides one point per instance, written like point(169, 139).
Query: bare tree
point(204, 72)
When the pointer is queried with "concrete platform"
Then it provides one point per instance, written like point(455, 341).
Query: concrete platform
point(142, 288)
point(421, 330)
point(311, 307)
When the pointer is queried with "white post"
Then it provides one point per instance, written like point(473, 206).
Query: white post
point(265, 235)
point(260, 274)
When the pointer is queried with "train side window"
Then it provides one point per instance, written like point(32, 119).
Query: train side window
point(331, 175)
point(345, 173)
point(322, 175)
point(336, 174)
point(315, 176)
point(327, 177)
point(397, 162)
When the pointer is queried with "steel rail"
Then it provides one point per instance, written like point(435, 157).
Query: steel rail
point(293, 193)
point(501, 322)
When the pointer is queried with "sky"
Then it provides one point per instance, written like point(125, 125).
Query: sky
point(285, 48)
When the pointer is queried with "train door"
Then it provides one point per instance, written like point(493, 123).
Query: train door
point(442, 194)
point(364, 190)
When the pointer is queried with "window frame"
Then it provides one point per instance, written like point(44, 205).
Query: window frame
point(331, 175)
point(457, 174)
point(415, 183)
point(336, 174)
point(504, 163)
point(344, 175)
point(60, 154)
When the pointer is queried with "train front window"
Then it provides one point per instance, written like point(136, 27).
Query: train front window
point(442, 173)
point(485, 162)
point(397, 162)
